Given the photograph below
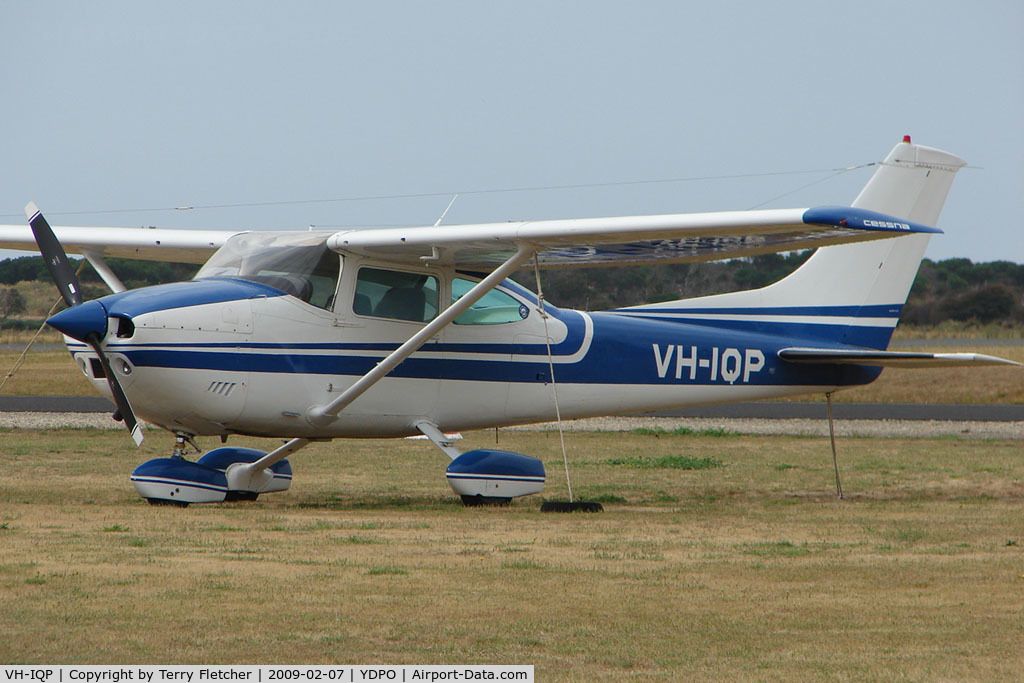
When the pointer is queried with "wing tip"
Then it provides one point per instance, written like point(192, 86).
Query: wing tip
point(852, 217)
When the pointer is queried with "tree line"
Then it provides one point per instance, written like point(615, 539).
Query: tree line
point(951, 289)
point(133, 273)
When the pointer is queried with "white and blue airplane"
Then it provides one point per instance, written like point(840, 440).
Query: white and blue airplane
point(394, 332)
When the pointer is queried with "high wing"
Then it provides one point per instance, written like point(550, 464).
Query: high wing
point(892, 359)
point(623, 240)
point(149, 244)
point(628, 240)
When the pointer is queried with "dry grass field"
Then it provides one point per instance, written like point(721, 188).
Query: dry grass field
point(718, 557)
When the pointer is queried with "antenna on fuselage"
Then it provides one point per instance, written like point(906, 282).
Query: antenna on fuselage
point(445, 212)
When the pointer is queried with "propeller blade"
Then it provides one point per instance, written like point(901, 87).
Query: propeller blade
point(71, 290)
point(120, 400)
point(53, 253)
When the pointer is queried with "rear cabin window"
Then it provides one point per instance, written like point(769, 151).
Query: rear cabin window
point(494, 308)
point(395, 294)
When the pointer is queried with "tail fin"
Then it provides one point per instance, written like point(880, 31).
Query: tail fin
point(911, 183)
point(853, 293)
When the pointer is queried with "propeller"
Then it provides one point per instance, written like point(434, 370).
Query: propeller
point(71, 290)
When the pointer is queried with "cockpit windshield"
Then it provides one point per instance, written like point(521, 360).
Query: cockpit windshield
point(299, 264)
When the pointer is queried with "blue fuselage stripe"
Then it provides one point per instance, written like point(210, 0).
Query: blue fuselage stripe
point(623, 350)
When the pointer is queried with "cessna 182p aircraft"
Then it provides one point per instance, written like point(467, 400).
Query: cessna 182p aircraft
point(392, 332)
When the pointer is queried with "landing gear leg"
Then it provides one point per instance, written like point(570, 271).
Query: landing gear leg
point(180, 439)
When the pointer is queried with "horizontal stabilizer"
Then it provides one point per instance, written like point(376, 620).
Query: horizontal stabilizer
point(892, 359)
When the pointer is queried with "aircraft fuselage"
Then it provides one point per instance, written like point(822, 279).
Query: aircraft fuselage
point(223, 356)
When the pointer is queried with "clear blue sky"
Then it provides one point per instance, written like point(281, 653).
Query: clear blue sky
point(143, 105)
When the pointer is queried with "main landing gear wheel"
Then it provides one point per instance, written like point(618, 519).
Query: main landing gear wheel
point(233, 496)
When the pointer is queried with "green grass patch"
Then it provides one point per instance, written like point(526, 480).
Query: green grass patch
point(607, 498)
point(775, 549)
point(673, 462)
point(356, 539)
point(521, 564)
point(384, 571)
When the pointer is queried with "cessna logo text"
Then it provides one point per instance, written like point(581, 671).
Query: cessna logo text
point(726, 365)
point(886, 224)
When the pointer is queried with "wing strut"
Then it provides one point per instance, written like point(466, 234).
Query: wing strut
point(431, 431)
point(95, 258)
point(325, 414)
point(253, 476)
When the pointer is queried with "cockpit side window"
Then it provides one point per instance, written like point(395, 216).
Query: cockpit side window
point(396, 295)
point(324, 280)
point(494, 308)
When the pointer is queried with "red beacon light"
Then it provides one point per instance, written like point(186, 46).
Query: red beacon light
point(906, 139)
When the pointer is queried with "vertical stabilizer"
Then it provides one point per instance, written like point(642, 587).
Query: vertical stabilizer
point(853, 293)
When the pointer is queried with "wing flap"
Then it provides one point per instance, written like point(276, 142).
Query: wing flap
point(628, 240)
point(892, 359)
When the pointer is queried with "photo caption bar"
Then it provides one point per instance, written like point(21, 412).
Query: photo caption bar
point(112, 673)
